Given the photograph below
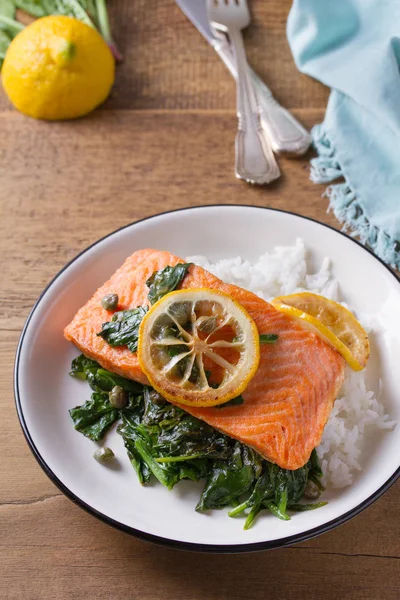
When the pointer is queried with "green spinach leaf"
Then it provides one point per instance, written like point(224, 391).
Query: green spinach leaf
point(165, 442)
point(99, 379)
point(228, 480)
point(95, 417)
point(190, 437)
point(165, 281)
point(141, 429)
point(276, 490)
point(291, 484)
point(123, 329)
point(175, 435)
point(128, 431)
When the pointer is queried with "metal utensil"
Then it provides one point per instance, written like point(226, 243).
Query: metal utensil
point(286, 134)
point(255, 161)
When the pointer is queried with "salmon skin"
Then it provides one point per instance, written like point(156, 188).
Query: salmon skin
point(288, 401)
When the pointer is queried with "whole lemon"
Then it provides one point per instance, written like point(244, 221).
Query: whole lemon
point(58, 68)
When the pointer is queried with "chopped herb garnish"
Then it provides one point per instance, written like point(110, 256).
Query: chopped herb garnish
point(123, 329)
point(165, 281)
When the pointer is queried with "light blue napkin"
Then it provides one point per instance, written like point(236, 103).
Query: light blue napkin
point(353, 46)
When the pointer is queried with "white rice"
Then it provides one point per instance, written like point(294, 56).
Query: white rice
point(357, 410)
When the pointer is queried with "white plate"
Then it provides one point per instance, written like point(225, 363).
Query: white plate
point(44, 391)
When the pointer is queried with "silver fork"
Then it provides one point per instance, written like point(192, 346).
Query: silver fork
point(255, 161)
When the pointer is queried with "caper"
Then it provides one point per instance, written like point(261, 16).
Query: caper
point(118, 397)
point(110, 301)
point(104, 455)
point(312, 491)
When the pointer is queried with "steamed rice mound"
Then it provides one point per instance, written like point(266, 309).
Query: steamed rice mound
point(357, 409)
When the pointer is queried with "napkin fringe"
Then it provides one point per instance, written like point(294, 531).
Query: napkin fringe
point(344, 203)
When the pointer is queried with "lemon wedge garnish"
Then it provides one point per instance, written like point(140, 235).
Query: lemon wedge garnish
point(334, 323)
point(198, 347)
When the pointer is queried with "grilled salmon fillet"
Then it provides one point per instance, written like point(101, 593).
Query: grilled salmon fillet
point(288, 401)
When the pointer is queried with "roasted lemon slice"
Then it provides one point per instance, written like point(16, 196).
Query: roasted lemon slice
point(334, 323)
point(198, 347)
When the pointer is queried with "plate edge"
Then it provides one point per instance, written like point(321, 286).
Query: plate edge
point(149, 537)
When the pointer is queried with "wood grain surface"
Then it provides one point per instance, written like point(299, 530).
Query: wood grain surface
point(163, 140)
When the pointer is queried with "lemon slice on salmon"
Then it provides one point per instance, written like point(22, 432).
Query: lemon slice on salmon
point(198, 347)
point(334, 323)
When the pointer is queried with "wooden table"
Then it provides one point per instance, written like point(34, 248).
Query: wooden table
point(163, 140)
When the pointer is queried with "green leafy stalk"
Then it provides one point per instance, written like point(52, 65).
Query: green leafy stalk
point(90, 7)
point(74, 9)
point(237, 510)
point(93, 13)
point(277, 511)
point(5, 41)
point(165, 477)
point(10, 25)
point(174, 459)
point(50, 7)
point(282, 498)
point(105, 30)
point(7, 8)
point(305, 507)
point(252, 515)
point(36, 8)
